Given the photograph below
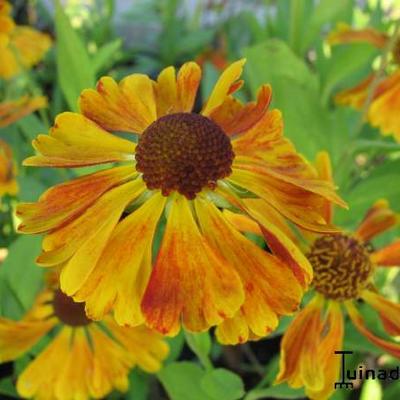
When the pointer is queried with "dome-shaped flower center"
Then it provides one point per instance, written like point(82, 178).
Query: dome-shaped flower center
point(183, 152)
point(342, 266)
point(68, 311)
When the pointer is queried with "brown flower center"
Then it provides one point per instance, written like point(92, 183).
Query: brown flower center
point(68, 311)
point(183, 152)
point(342, 266)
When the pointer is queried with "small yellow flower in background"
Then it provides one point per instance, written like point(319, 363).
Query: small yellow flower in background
point(84, 359)
point(184, 170)
point(385, 101)
point(8, 171)
point(13, 110)
point(344, 267)
point(21, 47)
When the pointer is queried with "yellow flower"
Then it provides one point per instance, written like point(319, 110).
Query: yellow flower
point(183, 171)
point(344, 266)
point(13, 110)
point(385, 101)
point(8, 170)
point(83, 359)
point(20, 46)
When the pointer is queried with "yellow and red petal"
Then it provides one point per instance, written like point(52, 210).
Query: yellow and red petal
point(344, 34)
point(378, 219)
point(128, 106)
point(120, 277)
point(358, 321)
point(189, 281)
point(243, 117)
point(65, 202)
point(299, 349)
point(270, 287)
point(242, 222)
point(226, 85)
point(389, 312)
point(388, 256)
point(76, 141)
point(146, 347)
point(81, 243)
point(356, 96)
point(12, 111)
point(324, 169)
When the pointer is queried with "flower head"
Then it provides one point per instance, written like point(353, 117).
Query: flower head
point(344, 266)
point(83, 359)
point(385, 98)
point(8, 170)
point(20, 46)
point(180, 171)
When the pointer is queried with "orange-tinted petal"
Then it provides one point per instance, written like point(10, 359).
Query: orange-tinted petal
point(189, 280)
point(390, 347)
point(224, 86)
point(67, 201)
point(12, 111)
point(270, 286)
point(345, 34)
point(128, 106)
point(388, 256)
point(8, 183)
point(244, 117)
point(76, 141)
point(378, 219)
point(356, 96)
point(242, 222)
point(122, 273)
point(324, 169)
point(388, 311)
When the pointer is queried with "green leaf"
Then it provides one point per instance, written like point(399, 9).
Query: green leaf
point(200, 344)
point(181, 380)
point(221, 384)
point(175, 346)
point(139, 385)
point(7, 388)
point(20, 272)
point(74, 69)
point(102, 57)
point(282, 391)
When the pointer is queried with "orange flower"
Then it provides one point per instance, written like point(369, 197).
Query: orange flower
point(344, 266)
point(8, 183)
point(83, 359)
point(385, 100)
point(13, 110)
point(20, 46)
point(181, 170)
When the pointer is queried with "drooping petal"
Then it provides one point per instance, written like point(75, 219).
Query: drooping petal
point(390, 347)
point(147, 348)
point(388, 311)
point(356, 96)
point(65, 202)
point(242, 222)
point(225, 85)
point(81, 243)
point(128, 106)
point(299, 349)
point(344, 34)
point(378, 219)
point(76, 141)
point(244, 117)
point(190, 280)
point(271, 289)
point(387, 256)
point(120, 277)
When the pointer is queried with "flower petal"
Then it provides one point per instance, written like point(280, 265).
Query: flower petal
point(189, 279)
point(356, 96)
point(388, 256)
point(128, 106)
point(65, 202)
point(345, 34)
point(224, 85)
point(378, 219)
point(388, 311)
point(271, 289)
point(389, 347)
point(246, 116)
point(76, 141)
point(120, 277)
